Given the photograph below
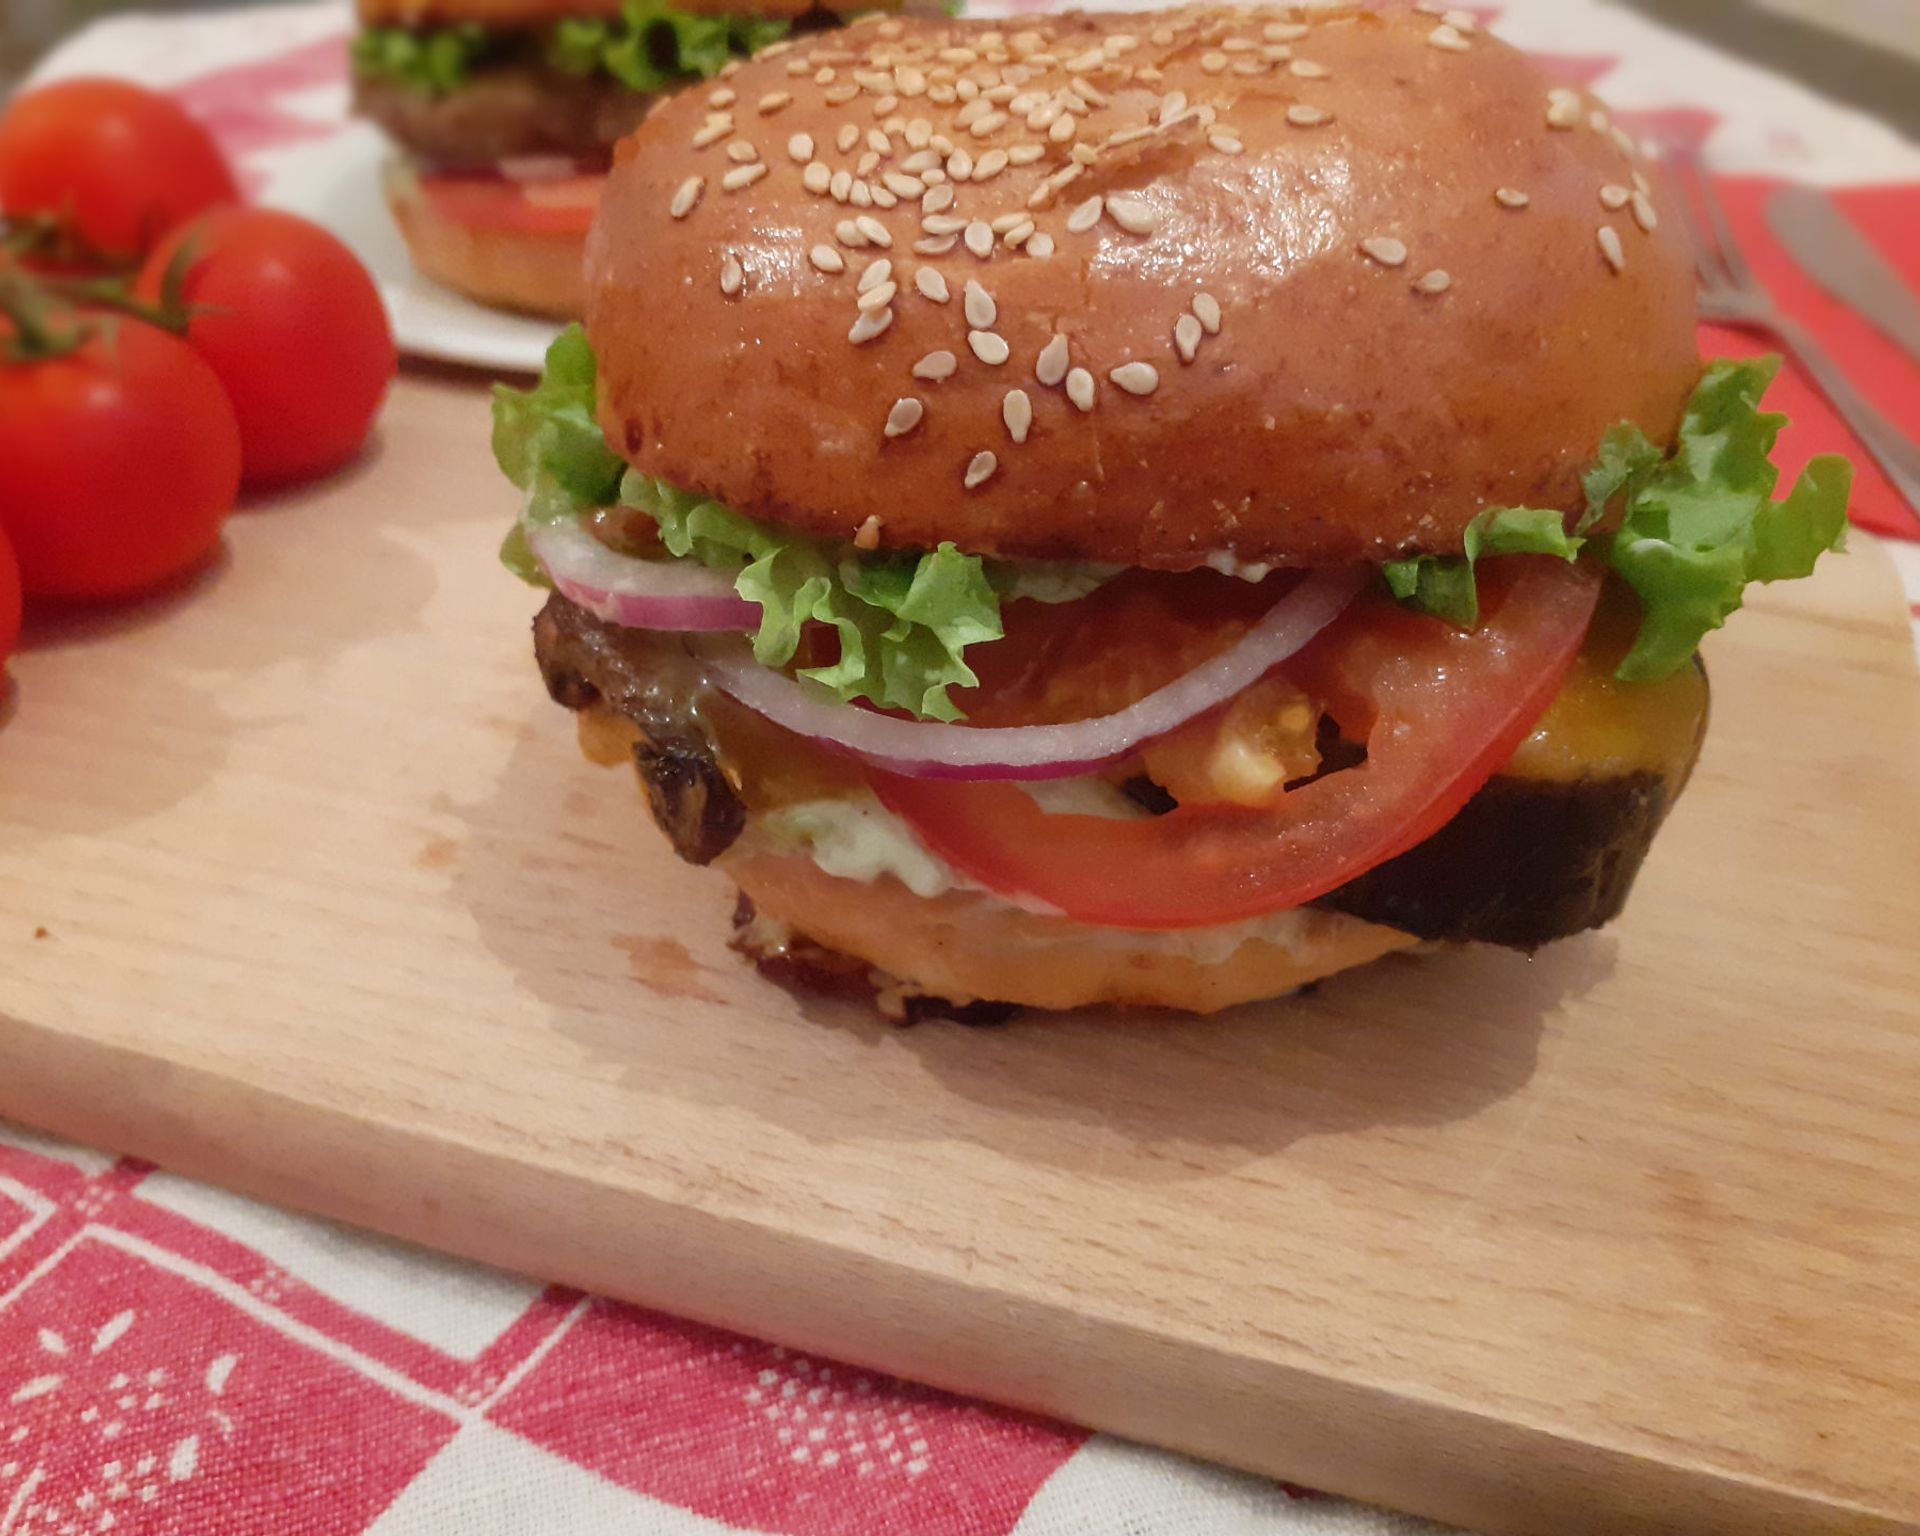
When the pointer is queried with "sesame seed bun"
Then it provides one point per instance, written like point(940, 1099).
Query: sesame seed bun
point(1346, 285)
point(537, 272)
point(506, 14)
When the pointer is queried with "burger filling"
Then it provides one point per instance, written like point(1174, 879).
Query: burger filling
point(1468, 747)
point(515, 127)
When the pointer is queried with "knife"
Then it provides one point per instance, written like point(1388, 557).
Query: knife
point(1841, 260)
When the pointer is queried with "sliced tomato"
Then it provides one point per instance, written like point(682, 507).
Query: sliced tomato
point(564, 205)
point(1439, 711)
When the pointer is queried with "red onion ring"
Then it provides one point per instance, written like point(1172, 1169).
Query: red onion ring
point(935, 750)
point(638, 594)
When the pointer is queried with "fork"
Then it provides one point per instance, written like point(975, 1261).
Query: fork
point(1731, 294)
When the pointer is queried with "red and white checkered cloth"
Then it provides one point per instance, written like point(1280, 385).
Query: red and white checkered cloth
point(175, 1361)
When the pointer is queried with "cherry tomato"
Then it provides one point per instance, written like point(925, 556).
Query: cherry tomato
point(563, 206)
point(293, 325)
point(1440, 711)
point(118, 463)
point(9, 602)
point(125, 163)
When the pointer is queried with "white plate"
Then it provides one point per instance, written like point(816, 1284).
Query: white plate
point(336, 182)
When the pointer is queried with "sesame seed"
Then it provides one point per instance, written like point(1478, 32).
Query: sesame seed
point(1563, 113)
point(931, 285)
point(870, 324)
point(1436, 281)
point(979, 238)
point(846, 138)
point(1461, 21)
point(1642, 185)
point(936, 198)
point(1172, 105)
point(935, 245)
point(840, 95)
point(867, 536)
point(1016, 410)
point(1303, 116)
point(900, 184)
point(1050, 367)
point(876, 273)
point(740, 151)
point(1598, 120)
point(1508, 197)
point(990, 348)
point(840, 184)
point(1213, 63)
point(878, 142)
point(867, 163)
point(1611, 248)
point(1643, 213)
point(874, 230)
point(723, 97)
point(936, 366)
point(1447, 37)
point(732, 275)
point(800, 148)
point(1080, 388)
point(860, 194)
point(992, 123)
point(773, 101)
point(960, 165)
point(1025, 154)
point(827, 259)
point(909, 82)
point(1133, 215)
point(686, 195)
point(980, 309)
point(1040, 246)
point(1306, 69)
point(980, 469)
point(848, 233)
point(816, 177)
point(1061, 129)
point(712, 133)
point(1084, 217)
point(1093, 58)
point(943, 223)
point(1284, 31)
point(885, 105)
point(1019, 234)
point(1206, 309)
point(904, 417)
point(1003, 222)
point(918, 132)
point(990, 165)
point(1250, 67)
point(1226, 143)
point(1614, 197)
point(743, 176)
point(1386, 250)
point(1623, 140)
point(1136, 378)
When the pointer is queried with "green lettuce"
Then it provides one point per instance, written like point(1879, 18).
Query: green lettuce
point(433, 62)
point(904, 619)
point(1694, 530)
point(648, 47)
point(651, 45)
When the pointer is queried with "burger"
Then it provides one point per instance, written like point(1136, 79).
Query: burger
point(506, 113)
point(1146, 509)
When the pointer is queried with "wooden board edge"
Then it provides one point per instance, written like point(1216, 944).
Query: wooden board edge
point(1371, 1443)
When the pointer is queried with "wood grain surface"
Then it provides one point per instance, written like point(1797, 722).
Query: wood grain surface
point(1623, 1238)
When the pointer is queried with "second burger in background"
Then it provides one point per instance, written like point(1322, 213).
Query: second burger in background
point(506, 113)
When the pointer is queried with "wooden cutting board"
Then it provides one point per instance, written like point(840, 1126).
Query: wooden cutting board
point(1623, 1238)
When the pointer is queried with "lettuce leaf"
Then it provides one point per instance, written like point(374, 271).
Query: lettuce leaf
point(652, 45)
point(431, 62)
point(1695, 529)
point(904, 619)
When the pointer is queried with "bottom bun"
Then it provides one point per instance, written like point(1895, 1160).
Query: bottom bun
point(537, 272)
point(968, 948)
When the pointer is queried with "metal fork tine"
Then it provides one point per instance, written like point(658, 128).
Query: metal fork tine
point(1712, 270)
point(1724, 237)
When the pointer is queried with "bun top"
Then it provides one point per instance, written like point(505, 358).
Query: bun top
point(1160, 289)
point(545, 13)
